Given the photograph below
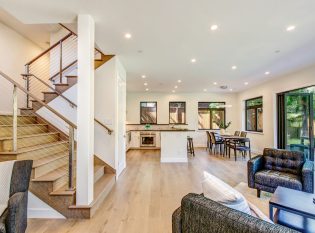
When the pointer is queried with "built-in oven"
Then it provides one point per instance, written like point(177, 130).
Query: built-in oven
point(147, 139)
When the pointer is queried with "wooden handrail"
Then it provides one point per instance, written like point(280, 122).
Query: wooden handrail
point(50, 48)
point(38, 100)
point(100, 123)
point(51, 88)
point(63, 69)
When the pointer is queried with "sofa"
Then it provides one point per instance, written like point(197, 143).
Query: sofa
point(14, 217)
point(284, 168)
point(198, 214)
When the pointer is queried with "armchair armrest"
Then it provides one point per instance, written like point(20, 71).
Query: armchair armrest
point(176, 221)
point(253, 166)
point(308, 176)
point(16, 220)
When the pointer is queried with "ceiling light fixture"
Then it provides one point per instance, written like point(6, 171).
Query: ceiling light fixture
point(231, 89)
point(176, 87)
point(246, 83)
point(127, 35)
point(234, 67)
point(143, 76)
point(173, 91)
point(205, 90)
point(214, 27)
point(147, 89)
point(215, 83)
point(193, 60)
point(290, 28)
point(145, 84)
point(179, 81)
point(267, 73)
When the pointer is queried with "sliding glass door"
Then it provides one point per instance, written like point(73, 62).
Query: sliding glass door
point(296, 121)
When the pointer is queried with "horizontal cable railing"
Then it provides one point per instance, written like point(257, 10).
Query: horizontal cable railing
point(41, 134)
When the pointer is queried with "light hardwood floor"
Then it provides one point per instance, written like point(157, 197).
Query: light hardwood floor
point(147, 193)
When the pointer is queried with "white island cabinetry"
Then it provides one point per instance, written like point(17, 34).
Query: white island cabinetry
point(174, 146)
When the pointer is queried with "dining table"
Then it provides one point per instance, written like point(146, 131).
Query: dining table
point(226, 138)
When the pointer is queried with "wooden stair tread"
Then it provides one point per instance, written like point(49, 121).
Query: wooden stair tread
point(61, 84)
point(29, 135)
point(42, 146)
point(98, 167)
point(10, 115)
point(48, 159)
point(25, 109)
point(71, 76)
point(50, 92)
point(99, 187)
point(53, 175)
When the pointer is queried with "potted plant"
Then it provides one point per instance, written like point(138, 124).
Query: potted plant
point(223, 126)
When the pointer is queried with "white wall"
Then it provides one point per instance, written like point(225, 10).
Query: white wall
point(110, 86)
point(15, 52)
point(191, 99)
point(269, 92)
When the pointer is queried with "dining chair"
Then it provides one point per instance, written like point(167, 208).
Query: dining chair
point(243, 134)
point(209, 142)
point(216, 141)
point(242, 145)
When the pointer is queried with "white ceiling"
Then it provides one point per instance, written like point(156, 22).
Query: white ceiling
point(167, 34)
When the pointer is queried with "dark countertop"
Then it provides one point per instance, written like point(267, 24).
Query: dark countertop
point(161, 130)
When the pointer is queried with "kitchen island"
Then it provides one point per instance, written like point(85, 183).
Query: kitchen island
point(171, 142)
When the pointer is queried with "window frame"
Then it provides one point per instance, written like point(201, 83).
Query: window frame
point(156, 106)
point(256, 107)
point(169, 112)
point(210, 110)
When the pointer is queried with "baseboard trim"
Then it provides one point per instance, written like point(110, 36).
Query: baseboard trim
point(174, 160)
point(43, 213)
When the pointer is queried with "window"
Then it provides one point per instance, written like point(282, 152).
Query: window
point(177, 113)
point(148, 113)
point(210, 114)
point(254, 114)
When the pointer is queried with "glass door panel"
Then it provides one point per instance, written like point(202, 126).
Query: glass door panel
point(299, 122)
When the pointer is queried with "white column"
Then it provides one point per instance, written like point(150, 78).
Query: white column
point(85, 111)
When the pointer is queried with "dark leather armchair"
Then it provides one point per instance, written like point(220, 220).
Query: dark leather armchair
point(283, 168)
point(14, 218)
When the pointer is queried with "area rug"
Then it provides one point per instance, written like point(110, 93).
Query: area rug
point(251, 195)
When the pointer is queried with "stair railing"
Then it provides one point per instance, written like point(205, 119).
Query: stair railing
point(44, 114)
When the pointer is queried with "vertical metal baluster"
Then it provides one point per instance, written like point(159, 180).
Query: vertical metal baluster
point(27, 79)
point(14, 119)
point(60, 64)
point(71, 154)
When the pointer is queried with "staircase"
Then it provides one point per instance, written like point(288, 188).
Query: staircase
point(29, 135)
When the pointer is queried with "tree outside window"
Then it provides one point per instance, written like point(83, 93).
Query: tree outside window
point(210, 115)
point(254, 114)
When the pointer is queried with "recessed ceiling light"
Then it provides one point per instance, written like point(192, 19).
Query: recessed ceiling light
point(173, 91)
point(290, 28)
point(204, 89)
point(127, 35)
point(231, 89)
point(179, 81)
point(146, 89)
point(214, 27)
point(176, 87)
point(193, 60)
point(267, 73)
point(145, 84)
point(215, 83)
point(143, 76)
point(246, 83)
point(234, 67)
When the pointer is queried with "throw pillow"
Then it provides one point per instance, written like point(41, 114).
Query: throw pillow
point(217, 190)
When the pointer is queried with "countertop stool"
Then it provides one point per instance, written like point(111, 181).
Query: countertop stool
point(190, 146)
